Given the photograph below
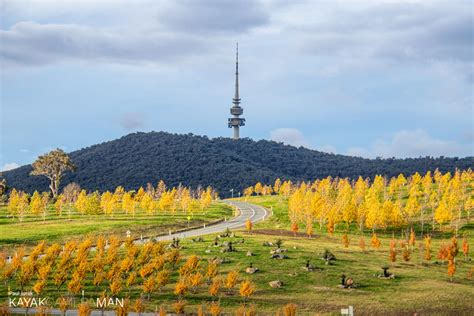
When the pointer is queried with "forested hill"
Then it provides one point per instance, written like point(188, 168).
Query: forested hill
point(136, 159)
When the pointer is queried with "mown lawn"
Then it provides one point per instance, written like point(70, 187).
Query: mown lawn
point(425, 289)
point(62, 228)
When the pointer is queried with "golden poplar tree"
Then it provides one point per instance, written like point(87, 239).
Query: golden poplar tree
point(246, 289)
point(81, 202)
point(277, 186)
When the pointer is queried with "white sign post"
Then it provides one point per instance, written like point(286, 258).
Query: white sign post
point(348, 311)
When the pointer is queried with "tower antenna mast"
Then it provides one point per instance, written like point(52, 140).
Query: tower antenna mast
point(236, 110)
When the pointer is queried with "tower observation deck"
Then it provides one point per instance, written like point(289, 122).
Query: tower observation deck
point(236, 110)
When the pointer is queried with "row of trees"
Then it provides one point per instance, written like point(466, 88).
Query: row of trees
point(148, 201)
point(378, 204)
point(150, 268)
point(447, 252)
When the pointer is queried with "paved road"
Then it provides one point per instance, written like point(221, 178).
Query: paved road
point(246, 211)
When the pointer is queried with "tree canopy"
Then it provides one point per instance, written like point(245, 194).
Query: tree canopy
point(53, 165)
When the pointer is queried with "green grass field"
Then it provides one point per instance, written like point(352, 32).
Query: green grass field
point(62, 228)
point(419, 287)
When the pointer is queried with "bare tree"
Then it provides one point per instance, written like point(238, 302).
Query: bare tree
point(71, 192)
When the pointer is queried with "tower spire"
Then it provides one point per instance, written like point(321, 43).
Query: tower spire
point(236, 96)
point(235, 121)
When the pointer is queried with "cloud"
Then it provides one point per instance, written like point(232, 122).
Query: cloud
point(413, 143)
point(132, 121)
point(213, 16)
point(175, 31)
point(31, 43)
point(354, 32)
point(289, 136)
point(9, 166)
point(380, 32)
point(294, 137)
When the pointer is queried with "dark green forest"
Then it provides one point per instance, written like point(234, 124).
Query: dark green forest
point(140, 158)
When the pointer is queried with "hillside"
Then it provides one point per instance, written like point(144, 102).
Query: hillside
point(136, 159)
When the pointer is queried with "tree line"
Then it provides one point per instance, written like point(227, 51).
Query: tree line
point(438, 199)
point(149, 201)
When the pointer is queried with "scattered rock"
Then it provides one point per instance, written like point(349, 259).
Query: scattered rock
point(249, 254)
point(207, 251)
point(278, 250)
point(276, 284)
point(346, 283)
point(293, 274)
point(278, 256)
point(309, 267)
point(251, 270)
point(228, 247)
point(267, 244)
point(328, 256)
point(217, 260)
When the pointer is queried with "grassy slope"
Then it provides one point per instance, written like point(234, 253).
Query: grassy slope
point(59, 229)
point(417, 288)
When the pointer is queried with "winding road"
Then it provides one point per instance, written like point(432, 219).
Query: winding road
point(246, 211)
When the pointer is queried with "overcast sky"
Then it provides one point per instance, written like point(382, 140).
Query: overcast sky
point(366, 78)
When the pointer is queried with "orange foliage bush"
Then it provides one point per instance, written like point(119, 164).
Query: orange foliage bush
point(375, 242)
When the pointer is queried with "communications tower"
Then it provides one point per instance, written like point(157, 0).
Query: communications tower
point(236, 110)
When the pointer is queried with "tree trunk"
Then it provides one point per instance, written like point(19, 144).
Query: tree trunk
point(54, 185)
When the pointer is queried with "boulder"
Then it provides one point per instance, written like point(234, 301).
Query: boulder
point(217, 260)
point(278, 256)
point(251, 270)
point(278, 250)
point(328, 256)
point(309, 267)
point(276, 284)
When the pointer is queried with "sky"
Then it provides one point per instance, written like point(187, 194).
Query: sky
point(365, 78)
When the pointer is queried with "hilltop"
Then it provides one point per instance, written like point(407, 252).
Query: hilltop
point(138, 158)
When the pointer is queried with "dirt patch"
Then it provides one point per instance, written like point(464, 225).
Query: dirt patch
point(323, 288)
point(279, 232)
point(289, 233)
